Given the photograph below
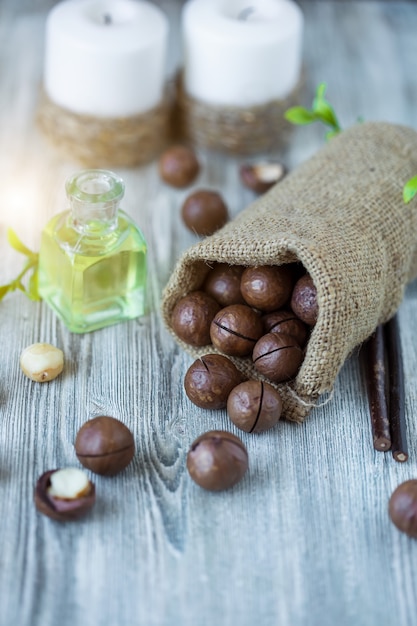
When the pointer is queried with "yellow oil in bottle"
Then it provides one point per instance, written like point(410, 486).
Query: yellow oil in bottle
point(93, 272)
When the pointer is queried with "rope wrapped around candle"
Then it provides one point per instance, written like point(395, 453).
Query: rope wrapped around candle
point(341, 214)
point(234, 130)
point(107, 142)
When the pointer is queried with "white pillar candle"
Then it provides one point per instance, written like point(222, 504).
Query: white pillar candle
point(241, 52)
point(105, 57)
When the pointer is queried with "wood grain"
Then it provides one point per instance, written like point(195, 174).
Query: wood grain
point(305, 538)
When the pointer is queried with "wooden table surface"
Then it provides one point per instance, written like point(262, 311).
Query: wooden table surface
point(305, 538)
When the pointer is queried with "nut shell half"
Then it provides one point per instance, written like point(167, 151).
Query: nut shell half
point(260, 177)
point(60, 509)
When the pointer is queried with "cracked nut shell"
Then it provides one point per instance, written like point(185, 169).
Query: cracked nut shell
point(260, 177)
point(236, 329)
point(217, 460)
point(61, 509)
point(105, 445)
point(254, 406)
point(277, 356)
point(192, 316)
point(210, 379)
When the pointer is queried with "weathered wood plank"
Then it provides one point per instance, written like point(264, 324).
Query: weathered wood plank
point(305, 537)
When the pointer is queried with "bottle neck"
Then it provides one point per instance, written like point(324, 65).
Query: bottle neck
point(94, 197)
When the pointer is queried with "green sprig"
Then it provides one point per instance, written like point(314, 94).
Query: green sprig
point(321, 111)
point(410, 189)
point(30, 268)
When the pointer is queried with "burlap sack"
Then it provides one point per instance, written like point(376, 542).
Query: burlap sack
point(342, 215)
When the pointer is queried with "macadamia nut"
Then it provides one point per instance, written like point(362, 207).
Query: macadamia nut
point(42, 362)
point(64, 495)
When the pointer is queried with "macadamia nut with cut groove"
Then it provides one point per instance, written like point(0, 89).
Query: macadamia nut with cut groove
point(64, 495)
point(42, 362)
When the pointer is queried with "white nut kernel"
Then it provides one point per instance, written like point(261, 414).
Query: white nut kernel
point(69, 483)
point(42, 362)
point(269, 172)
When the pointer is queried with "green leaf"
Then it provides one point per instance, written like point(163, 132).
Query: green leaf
point(4, 289)
point(300, 116)
point(33, 286)
point(410, 190)
point(321, 91)
point(31, 264)
point(326, 113)
point(332, 133)
point(15, 242)
point(319, 98)
point(324, 109)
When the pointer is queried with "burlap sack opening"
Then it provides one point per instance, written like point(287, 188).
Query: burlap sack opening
point(340, 214)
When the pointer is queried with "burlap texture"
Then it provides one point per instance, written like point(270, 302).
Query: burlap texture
point(342, 215)
point(235, 130)
point(107, 142)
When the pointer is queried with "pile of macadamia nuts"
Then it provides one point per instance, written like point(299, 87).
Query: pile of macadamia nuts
point(261, 312)
point(265, 313)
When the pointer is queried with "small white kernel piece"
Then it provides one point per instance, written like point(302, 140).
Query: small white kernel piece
point(69, 483)
point(269, 172)
point(42, 362)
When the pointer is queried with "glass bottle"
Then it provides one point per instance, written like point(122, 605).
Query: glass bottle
point(92, 260)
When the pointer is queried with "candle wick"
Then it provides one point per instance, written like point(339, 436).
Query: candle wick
point(245, 13)
point(107, 18)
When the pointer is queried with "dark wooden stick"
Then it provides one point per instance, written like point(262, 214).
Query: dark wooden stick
point(396, 398)
point(376, 383)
